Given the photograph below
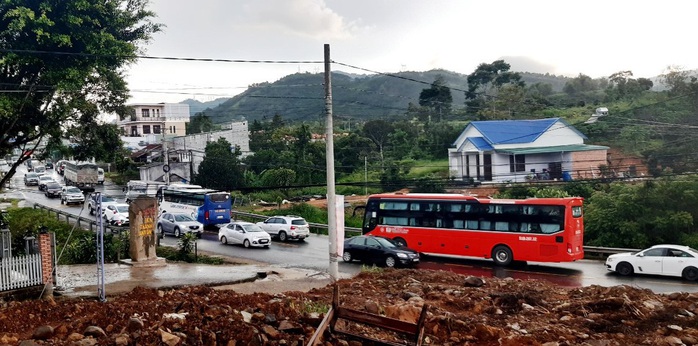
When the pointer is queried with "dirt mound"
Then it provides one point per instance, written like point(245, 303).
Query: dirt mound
point(472, 311)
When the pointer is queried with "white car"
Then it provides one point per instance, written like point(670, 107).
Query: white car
point(106, 201)
point(4, 167)
point(286, 227)
point(668, 260)
point(245, 233)
point(117, 214)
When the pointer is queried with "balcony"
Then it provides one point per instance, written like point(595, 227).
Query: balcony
point(134, 118)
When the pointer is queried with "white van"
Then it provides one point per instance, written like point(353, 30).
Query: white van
point(100, 176)
point(39, 169)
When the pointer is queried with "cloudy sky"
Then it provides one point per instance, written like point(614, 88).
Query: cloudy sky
point(593, 37)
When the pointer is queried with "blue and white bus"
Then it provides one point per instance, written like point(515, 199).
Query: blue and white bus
point(207, 206)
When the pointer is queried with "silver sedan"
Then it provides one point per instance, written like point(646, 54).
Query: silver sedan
point(178, 224)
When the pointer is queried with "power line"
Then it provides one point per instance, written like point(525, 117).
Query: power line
point(30, 51)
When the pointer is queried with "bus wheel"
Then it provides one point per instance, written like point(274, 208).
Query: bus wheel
point(346, 256)
point(502, 255)
point(400, 242)
point(390, 261)
point(690, 273)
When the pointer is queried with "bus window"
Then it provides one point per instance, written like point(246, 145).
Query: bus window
point(456, 208)
point(394, 221)
point(393, 206)
point(548, 228)
point(471, 224)
point(501, 226)
point(460, 224)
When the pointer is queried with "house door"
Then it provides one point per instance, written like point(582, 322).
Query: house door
point(487, 165)
point(555, 170)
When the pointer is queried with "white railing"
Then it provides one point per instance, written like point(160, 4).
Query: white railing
point(20, 271)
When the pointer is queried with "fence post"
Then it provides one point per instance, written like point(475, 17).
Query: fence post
point(46, 263)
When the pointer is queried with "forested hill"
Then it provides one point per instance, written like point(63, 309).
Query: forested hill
point(300, 96)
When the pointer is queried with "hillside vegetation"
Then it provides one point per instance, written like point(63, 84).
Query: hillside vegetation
point(300, 96)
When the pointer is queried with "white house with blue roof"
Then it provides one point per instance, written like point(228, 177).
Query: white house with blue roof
point(521, 150)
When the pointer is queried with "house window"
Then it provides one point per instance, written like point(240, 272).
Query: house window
point(517, 163)
point(146, 129)
point(156, 129)
point(145, 113)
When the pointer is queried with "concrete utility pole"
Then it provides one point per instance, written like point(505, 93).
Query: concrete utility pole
point(166, 159)
point(329, 153)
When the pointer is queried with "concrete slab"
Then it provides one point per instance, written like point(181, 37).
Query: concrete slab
point(82, 280)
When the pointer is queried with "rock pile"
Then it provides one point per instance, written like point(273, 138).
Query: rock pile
point(462, 311)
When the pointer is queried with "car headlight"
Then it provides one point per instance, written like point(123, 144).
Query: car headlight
point(608, 260)
point(402, 255)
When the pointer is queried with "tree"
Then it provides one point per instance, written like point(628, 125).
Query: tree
point(486, 81)
point(63, 64)
point(437, 98)
point(378, 132)
point(221, 169)
point(200, 123)
point(580, 84)
point(279, 178)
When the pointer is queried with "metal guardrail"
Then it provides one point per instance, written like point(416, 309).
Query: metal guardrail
point(605, 251)
point(82, 222)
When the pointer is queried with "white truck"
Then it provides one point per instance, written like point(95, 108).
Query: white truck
point(82, 175)
point(135, 188)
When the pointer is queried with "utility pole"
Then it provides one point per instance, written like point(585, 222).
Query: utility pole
point(166, 167)
point(366, 175)
point(329, 153)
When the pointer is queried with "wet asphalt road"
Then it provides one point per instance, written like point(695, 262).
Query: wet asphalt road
point(313, 253)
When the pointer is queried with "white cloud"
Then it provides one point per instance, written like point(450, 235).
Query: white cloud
point(593, 37)
point(305, 18)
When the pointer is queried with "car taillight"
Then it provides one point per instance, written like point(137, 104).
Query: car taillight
point(206, 215)
point(293, 228)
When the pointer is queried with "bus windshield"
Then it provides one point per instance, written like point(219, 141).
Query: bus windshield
point(536, 229)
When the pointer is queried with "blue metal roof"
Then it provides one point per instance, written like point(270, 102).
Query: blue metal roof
point(513, 131)
point(480, 143)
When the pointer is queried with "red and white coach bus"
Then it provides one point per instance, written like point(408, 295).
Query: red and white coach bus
point(532, 229)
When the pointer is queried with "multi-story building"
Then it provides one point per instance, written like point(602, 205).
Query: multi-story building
point(149, 119)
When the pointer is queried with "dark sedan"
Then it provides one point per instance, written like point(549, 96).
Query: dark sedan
point(370, 249)
point(52, 189)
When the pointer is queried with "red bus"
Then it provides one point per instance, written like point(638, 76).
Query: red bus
point(533, 229)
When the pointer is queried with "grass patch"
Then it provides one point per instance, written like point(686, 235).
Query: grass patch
point(371, 269)
point(422, 168)
point(174, 255)
point(315, 307)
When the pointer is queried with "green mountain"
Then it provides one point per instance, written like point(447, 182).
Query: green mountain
point(300, 96)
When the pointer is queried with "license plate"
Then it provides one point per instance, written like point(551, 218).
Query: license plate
point(263, 241)
point(219, 217)
point(220, 210)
